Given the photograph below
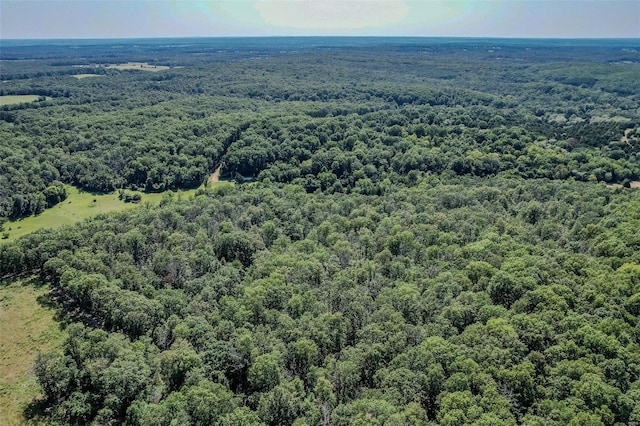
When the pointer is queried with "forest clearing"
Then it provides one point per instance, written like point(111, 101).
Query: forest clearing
point(80, 205)
point(81, 76)
point(17, 99)
point(143, 66)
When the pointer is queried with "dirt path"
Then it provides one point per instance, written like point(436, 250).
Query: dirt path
point(233, 137)
point(633, 184)
point(215, 177)
point(625, 138)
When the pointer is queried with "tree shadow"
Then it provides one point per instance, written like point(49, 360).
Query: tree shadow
point(50, 300)
point(36, 411)
point(26, 278)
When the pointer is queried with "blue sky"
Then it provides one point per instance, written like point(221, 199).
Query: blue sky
point(186, 18)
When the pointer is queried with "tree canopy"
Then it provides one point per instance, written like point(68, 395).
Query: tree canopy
point(420, 233)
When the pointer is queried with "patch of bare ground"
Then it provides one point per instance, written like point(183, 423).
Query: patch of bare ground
point(625, 138)
point(81, 76)
point(215, 176)
point(635, 184)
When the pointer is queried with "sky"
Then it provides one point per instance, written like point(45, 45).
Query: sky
point(45, 19)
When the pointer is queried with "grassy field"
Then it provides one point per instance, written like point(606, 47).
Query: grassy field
point(17, 99)
point(138, 66)
point(79, 205)
point(27, 326)
point(81, 76)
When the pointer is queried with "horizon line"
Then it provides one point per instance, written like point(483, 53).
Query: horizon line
point(324, 36)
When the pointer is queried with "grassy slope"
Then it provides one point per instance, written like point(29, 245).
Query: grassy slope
point(27, 327)
point(17, 99)
point(78, 206)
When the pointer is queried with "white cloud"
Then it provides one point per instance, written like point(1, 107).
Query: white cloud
point(331, 15)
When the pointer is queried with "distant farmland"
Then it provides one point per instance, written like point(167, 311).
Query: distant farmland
point(138, 66)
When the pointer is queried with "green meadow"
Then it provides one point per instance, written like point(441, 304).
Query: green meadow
point(27, 327)
point(17, 99)
point(80, 205)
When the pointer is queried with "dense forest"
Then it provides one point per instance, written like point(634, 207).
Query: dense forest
point(422, 231)
point(357, 112)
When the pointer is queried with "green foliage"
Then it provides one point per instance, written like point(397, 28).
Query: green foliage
point(418, 238)
point(343, 325)
point(264, 373)
point(344, 121)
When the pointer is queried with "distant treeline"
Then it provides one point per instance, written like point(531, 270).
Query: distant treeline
point(325, 116)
